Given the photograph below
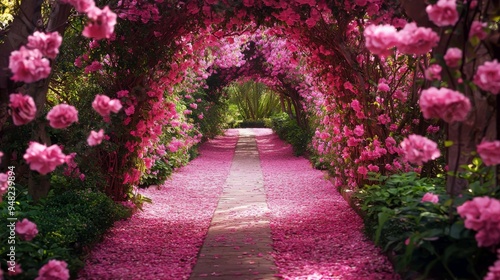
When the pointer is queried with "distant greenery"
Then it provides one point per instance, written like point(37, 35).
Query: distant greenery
point(254, 101)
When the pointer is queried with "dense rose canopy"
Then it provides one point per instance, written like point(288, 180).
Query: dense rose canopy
point(444, 103)
point(23, 108)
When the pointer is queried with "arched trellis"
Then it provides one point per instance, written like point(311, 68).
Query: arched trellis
point(148, 47)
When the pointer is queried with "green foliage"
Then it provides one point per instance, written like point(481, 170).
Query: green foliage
point(289, 131)
point(68, 225)
point(425, 237)
point(159, 173)
point(254, 100)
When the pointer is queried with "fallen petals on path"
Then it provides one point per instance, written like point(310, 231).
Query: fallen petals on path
point(162, 242)
point(316, 235)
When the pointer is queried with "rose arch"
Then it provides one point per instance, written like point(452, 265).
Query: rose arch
point(388, 86)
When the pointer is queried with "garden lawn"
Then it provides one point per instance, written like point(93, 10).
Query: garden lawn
point(316, 235)
point(163, 241)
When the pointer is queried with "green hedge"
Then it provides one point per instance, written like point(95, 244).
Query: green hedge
point(68, 225)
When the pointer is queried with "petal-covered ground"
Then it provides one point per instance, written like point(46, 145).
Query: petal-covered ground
point(163, 241)
point(316, 235)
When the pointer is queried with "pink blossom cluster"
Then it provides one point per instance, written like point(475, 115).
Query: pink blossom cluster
point(444, 103)
point(494, 270)
point(418, 149)
point(489, 151)
point(487, 76)
point(443, 13)
point(42, 158)
point(101, 21)
point(26, 229)
point(430, 197)
point(104, 105)
point(380, 39)
point(22, 108)
point(54, 270)
point(95, 137)
point(62, 116)
point(482, 214)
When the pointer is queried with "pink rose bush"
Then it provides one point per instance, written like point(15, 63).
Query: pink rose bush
point(47, 43)
point(26, 229)
point(443, 13)
point(489, 151)
point(430, 197)
point(95, 138)
point(418, 149)
point(28, 65)
point(62, 116)
point(42, 158)
point(482, 214)
point(444, 103)
point(103, 105)
point(54, 270)
point(22, 108)
point(102, 23)
point(4, 184)
point(487, 77)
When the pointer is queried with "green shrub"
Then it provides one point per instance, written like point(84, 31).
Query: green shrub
point(68, 225)
point(288, 130)
point(428, 238)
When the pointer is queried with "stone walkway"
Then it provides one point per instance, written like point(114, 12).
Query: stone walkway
point(238, 243)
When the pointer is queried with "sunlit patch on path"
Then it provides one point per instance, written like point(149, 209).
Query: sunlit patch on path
point(316, 235)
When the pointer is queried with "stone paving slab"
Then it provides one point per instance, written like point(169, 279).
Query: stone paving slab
point(238, 244)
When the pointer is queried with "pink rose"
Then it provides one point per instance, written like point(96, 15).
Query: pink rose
point(62, 116)
point(359, 130)
point(444, 103)
point(418, 149)
point(95, 138)
point(433, 72)
point(482, 214)
point(16, 271)
point(102, 23)
point(416, 40)
point(380, 38)
point(487, 76)
point(47, 43)
point(383, 87)
point(26, 229)
point(453, 57)
point(28, 65)
point(489, 152)
point(430, 197)
point(477, 29)
point(443, 13)
point(200, 116)
point(493, 272)
point(23, 109)
point(42, 158)
point(193, 105)
point(54, 270)
point(103, 105)
point(4, 184)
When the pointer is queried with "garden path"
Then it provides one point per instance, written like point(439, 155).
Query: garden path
point(217, 218)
